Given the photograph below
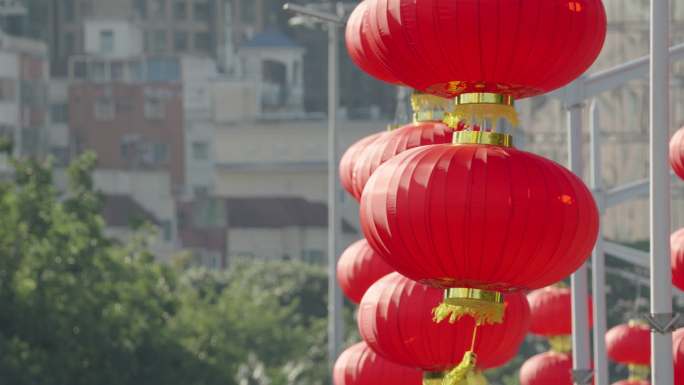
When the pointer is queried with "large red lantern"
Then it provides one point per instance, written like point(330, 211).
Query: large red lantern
point(356, 36)
point(677, 153)
point(478, 220)
point(359, 365)
point(349, 160)
point(551, 314)
point(394, 319)
point(547, 368)
point(515, 48)
point(358, 268)
point(677, 258)
point(678, 356)
point(630, 344)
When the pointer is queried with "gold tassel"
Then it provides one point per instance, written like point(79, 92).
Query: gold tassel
point(482, 311)
point(639, 372)
point(463, 371)
point(477, 113)
point(560, 344)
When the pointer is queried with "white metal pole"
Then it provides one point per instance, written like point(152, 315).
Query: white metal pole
point(335, 327)
point(598, 259)
point(661, 275)
point(581, 354)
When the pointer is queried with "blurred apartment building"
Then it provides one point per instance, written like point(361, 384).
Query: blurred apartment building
point(24, 82)
point(211, 146)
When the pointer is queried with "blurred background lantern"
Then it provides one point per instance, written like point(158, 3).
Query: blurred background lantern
point(394, 319)
point(349, 160)
point(427, 128)
point(630, 344)
point(359, 365)
point(677, 153)
point(678, 356)
point(547, 368)
point(478, 220)
point(551, 315)
point(358, 268)
point(677, 258)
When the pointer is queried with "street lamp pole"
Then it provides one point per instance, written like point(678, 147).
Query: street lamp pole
point(335, 304)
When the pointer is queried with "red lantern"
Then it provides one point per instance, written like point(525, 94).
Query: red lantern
point(677, 153)
point(547, 368)
point(517, 48)
point(394, 319)
point(358, 268)
point(678, 355)
point(488, 218)
point(551, 311)
point(359, 365)
point(677, 258)
point(350, 158)
point(396, 142)
point(356, 35)
point(630, 344)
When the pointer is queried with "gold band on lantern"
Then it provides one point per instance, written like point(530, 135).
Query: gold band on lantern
point(483, 137)
point(639, 372)
point(484, 98)
point(433, 378)
point(481, 107)
point(427, 108)
point(485, 306)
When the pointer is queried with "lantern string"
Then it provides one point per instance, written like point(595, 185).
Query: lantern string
point(465, 371)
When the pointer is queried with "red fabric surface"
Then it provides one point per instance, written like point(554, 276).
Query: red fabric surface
point(358, 268)
point(521, 48)
point(479, 216)
point(551, 311)
point(677, 258)
point(393, 143)
point(549, 368)
point(395, 319)
point(678, 354)
point(629, 344)
point(357, 46)
point(359, 365)
point(349, 159)
point(677, 153)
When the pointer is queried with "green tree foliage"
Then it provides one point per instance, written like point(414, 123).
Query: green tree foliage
point(79, 308)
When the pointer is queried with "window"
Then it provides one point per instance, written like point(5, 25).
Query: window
point(154, 108)
point(163, 70)
point(200, 191)
point(59, 113)
point(69, 10)
point(157, 9)
point(155, 41)
point(106, 41)
point(160, 153)
point(8, 90)
point(117, 69)
point(140, 7)
point(180, 10)
point(105, 110)
point(166, 226)
point(200, 150)
point(180, 41)
point(200, 11)
point(202, 41)
point(248, 11)
point(69, 43)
